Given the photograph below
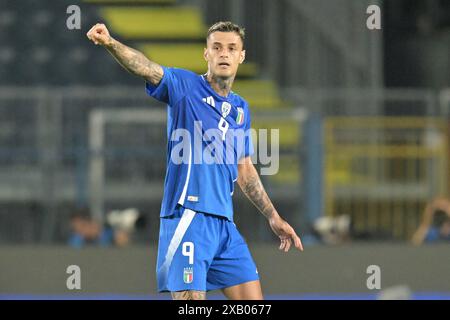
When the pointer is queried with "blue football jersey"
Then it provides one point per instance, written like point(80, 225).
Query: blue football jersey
point(207, 135)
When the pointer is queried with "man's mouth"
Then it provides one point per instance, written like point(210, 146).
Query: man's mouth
point(224, 64)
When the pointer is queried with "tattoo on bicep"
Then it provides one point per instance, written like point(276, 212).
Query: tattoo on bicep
point(254, 190)
point(189, 295)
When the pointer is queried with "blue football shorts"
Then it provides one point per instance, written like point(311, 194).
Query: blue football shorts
point(203, 252)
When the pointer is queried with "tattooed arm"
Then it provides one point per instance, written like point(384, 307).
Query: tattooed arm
point(132, 60)
point(252, 187)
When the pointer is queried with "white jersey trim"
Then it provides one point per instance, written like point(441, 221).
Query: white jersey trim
point(183, 194)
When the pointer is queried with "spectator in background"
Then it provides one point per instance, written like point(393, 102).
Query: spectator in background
point(88, 232)
point(435, 225)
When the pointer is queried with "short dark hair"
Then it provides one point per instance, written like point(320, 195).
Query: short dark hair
point(439, 218)
point(227, 26)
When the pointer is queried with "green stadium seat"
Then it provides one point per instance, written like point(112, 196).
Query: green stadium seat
point(155, 22)
point(187, 56)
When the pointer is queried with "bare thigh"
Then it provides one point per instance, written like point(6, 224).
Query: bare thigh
point(189, 295)
point(245, 291)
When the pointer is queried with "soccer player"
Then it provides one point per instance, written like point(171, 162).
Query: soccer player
point(200, 248)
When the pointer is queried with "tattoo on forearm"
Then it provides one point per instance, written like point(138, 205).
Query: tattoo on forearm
point(135, 62)
point(189, 295)
point(254, 190)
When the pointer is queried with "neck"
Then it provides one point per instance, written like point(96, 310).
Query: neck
point(220, 85)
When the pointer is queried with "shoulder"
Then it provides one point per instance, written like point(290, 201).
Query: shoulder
point(181, 73)
point(240, 102)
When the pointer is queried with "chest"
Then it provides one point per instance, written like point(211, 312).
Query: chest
point(212, 110)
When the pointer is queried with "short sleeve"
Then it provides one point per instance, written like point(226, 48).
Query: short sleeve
point(173, 86)
point(432, 235)
point(248, 135)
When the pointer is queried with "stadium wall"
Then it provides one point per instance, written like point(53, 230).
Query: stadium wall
point(41, 271)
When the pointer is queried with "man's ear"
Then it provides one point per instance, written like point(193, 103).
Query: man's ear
point(242, 58)
point(205, 54)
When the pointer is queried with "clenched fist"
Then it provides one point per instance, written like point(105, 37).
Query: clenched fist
point(99, 34)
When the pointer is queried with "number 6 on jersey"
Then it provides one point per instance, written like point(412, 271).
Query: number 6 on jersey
point(188, 251)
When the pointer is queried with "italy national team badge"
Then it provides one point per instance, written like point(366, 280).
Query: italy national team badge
point(226, 108)
point(240, 116)
point(188, 275)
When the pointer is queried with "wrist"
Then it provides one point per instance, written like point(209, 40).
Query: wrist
point(273, 216)
point(110, 42)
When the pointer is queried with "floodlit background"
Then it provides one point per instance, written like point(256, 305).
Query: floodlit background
point(363, 144)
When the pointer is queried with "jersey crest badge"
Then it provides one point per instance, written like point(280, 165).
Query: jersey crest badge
point(226, 108)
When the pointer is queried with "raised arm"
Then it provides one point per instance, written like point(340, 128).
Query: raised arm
point(132, 60)
point(252, 187)
point(442, 204)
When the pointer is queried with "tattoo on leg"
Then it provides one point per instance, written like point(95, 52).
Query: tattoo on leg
point(189, 295)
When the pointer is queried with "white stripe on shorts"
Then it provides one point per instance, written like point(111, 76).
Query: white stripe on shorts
point(181, 229)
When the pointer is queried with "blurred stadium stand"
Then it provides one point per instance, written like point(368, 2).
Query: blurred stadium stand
point(300, 54)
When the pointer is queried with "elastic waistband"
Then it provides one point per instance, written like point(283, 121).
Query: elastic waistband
point(179, 210)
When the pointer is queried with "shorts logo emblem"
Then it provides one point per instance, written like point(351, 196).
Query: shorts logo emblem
point(188, 275)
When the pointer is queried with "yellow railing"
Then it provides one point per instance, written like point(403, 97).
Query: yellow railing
point(382, 170)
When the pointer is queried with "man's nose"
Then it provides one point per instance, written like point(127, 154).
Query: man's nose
point(224, 53)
